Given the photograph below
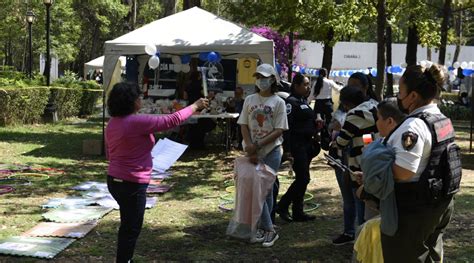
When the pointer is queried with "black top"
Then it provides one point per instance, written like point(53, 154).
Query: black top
point(301, 120)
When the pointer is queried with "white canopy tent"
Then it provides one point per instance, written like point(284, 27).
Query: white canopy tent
point(188, 32)
point(98, 63)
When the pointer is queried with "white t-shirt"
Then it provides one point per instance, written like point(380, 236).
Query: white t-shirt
point(263, 115)
point(326, 90)
point(416, 158)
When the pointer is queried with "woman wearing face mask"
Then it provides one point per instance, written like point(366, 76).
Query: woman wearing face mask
point(299, 143)
point(262, 121)
point(426, 178)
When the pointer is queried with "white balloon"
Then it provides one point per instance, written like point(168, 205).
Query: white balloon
point(154, 62)
point(150, 49)
point(464, 65)
point(456, 64)
point(185, 68)
point(177, 68)
point(423, 63)
point(176, 59)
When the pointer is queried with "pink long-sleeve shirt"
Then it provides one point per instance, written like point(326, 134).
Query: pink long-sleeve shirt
point(129, 141)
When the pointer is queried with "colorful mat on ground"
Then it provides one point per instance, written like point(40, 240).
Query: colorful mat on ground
point(69, 201)
point(109, 201)
point(158, 189)
point(90, 185)
point(41, 247)
point(70, 230)
point(76, 214)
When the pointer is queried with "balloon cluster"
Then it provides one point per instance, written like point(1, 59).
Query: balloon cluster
point(181, 63)
point(210, 56)
point(154, 60)
point(305, 71)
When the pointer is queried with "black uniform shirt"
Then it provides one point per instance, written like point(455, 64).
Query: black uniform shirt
point(301, 120)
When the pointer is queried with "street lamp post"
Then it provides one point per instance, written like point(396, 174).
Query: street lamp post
point(30, 18)
point(47, 66)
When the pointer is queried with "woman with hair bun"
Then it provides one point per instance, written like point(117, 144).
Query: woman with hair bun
point(425, 173)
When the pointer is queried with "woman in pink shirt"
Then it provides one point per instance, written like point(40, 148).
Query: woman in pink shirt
point(129, 141)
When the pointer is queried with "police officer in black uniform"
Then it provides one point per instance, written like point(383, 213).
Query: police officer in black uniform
point(298, 141)
point(427, 170)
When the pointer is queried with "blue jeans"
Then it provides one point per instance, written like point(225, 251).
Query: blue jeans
point(273, 160)
point(131, 198)
point(352, 206)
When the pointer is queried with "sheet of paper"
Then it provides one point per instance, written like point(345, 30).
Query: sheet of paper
point(165, 153)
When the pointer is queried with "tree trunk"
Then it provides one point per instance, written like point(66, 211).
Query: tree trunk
point(169, 7)
point(389, 91)
point(328, 51)
point(412, 45)
point(458, 27)
point(428, 53)
point(290, 55)
point(381, 25)
point(191, 3)
point(444, 31)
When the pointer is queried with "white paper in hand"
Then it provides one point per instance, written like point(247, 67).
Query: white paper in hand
point(165, 153)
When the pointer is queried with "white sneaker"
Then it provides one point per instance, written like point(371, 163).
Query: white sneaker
point(270, 238)
point(259, 236)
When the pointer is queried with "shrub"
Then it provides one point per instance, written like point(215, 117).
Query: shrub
point(79, 97)
point(455, 111)
point(22, 105)
point(90, 94)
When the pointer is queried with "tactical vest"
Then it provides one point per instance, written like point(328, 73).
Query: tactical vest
point(442, 176)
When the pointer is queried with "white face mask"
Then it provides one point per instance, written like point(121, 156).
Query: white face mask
point(264, 84)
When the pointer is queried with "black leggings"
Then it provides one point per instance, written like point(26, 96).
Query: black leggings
point(131, 198)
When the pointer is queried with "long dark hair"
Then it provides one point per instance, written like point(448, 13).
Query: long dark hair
point(319, 82)
point(366, 81)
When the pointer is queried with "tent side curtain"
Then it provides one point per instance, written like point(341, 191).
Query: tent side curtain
point(109, 70)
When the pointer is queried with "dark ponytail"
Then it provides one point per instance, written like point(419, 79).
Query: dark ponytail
point(319, 82)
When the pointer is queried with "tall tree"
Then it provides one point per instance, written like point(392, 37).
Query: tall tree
point(447, 12)
point(381, 26)
point(191, 3)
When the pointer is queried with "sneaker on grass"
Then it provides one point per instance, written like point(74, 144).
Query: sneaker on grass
point(270, 238)
point(343, 239)
point(259, 236)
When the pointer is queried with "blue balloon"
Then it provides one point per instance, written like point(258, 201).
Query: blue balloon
point(278, 68)
point(302, 70)
point(212, 57)
point(341, 73)
point(185, 59)
point(203, 56)
point(396, 69)
point(373, 72)
point(467, 72)
point(450, 68)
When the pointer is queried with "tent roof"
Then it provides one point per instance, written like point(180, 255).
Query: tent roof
point(192, 30)
point(98, 63)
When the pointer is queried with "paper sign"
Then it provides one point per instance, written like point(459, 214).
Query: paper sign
point(165, 153)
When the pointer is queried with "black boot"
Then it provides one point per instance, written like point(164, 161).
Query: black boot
point(298, 213)
point(283, 212)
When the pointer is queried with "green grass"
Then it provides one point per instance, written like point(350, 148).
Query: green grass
point(186, 223)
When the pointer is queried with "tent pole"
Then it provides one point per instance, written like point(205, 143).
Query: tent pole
point(472, 112)
point(103, 121)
